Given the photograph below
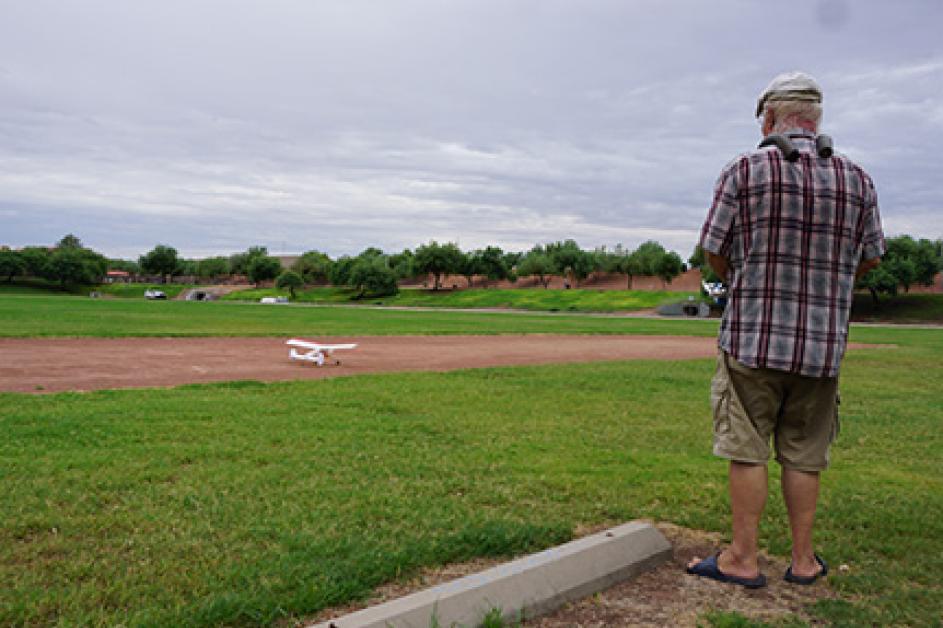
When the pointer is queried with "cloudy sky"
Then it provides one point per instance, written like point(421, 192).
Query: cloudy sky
point(339, 124)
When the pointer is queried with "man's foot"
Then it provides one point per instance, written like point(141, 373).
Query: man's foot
point(807, 575)
point(719, 567)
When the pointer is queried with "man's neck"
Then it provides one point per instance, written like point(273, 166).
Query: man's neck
point(792, 124)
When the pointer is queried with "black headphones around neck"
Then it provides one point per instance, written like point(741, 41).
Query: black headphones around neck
point(823, 146)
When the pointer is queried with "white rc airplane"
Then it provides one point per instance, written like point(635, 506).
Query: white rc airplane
point(315, 352)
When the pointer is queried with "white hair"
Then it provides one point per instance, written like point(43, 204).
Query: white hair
point(787, 113)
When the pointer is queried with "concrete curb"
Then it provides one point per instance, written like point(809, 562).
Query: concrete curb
point(532, 585)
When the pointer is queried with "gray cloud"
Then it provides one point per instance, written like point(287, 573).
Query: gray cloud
point(213, 126)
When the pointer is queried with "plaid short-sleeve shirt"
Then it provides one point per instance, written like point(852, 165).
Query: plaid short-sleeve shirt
point(794, 234)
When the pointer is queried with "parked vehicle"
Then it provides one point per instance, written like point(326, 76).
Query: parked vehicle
point(154, 294)
point(273, 300)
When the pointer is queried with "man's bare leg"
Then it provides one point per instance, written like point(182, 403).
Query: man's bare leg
point(748, 490)
point(801, 493)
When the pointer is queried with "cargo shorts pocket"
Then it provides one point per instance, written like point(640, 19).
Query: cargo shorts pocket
point(720, 400)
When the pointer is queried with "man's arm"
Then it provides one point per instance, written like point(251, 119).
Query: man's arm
point(719, 264)
point(866, 266)
point(717, 234)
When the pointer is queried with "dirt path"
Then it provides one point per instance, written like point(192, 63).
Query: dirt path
point(59, 364)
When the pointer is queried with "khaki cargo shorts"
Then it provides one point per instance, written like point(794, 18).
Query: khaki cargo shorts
point(750, 405)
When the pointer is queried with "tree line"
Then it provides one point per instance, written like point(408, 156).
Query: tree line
point(371, 272)
point(375, 273)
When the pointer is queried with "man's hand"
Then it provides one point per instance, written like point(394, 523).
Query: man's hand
point(866, 266)
point(719, 264)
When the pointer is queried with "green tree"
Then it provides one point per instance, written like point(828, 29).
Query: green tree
point(906, 262)
point(600, 261)
point(35, 259)
point(239, 262)
point(340, 270)
point(188, 267)
point(537, 263)
point(263, 268)
point(879, 280)
point(570, 260)
point(372, 276)
point(11, 264)
point(291, 280)
point(469, 265)
point(314, 267)
point(649, 255)
point(75, 266)
point(212, 267)
point(69, 241)
point(438, 259)
point(631, 264)
point(927, 261)
point(492, 264)
point(127, 265)
point(371, 251)
point(161, 260)
point(912, 261)
point(403, 264)
point(668, 267)
point(512, 259)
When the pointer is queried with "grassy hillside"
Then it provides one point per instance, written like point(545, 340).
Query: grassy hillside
point(903, 308)
point(250, 504)
point(521, 298)
point(136, 290)
point(40, 287)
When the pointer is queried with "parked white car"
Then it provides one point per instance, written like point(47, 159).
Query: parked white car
point(154, 294)
point(273, 300)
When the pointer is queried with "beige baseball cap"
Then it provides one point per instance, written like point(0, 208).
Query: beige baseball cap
point(790, 86)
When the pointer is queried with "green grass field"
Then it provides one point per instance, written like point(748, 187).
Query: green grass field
point(71, 316)
point(521, 299)
point(39, 287)
point(250, 503)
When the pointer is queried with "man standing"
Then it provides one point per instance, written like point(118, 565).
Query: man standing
point(790, 229)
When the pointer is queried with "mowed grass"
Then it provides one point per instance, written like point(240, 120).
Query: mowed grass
point(137, 290)
point(23, 316)
point(538, 299)
point(903, 308)
point(246, 503)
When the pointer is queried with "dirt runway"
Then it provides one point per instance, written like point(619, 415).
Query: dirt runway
point(60, 364)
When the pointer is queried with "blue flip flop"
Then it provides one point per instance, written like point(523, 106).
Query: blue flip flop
point(708, 568)
point(791, 577)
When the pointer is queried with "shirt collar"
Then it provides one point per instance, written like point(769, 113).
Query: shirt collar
point(798, 132)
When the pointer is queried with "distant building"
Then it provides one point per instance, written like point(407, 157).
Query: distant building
point(117, 276)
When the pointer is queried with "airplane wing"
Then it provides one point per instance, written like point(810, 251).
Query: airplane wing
point(295, 342)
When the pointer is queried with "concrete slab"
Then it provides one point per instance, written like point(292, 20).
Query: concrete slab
point(532, 585)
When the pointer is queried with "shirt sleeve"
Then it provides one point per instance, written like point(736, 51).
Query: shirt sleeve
point(717, 232)
point(872, 236)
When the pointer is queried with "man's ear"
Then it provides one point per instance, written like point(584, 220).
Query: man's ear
point(769, 119)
